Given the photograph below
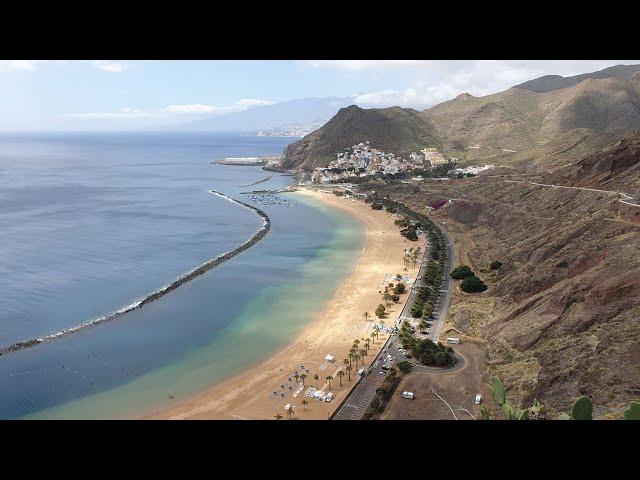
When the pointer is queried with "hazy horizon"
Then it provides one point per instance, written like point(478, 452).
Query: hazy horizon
point(101, 95)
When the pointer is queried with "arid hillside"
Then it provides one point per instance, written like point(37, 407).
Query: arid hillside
point(397, 130)
point(564, 309)
point(522, 127)
point(615, 168)
point(533, 126)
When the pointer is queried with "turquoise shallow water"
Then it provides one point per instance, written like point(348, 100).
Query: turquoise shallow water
point(92, 222)
point(265, 325)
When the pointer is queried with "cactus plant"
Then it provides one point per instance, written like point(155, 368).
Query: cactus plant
point(537, 411)
point(582, 409)
point(633, 412)
point(484, 413)
point(496, 388)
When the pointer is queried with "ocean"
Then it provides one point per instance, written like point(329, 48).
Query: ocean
point(90, 223)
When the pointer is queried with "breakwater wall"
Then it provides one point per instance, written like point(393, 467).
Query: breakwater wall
point(181, 280)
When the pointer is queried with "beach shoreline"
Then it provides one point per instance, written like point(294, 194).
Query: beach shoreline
point(250, 394)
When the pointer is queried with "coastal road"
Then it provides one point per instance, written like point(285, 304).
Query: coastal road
point(354, 407)
point(623, 197)
point(445, 294)
point(360, 397)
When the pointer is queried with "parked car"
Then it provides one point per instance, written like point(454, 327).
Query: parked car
point(407, 355)
point(478, 399)
point(408, 395)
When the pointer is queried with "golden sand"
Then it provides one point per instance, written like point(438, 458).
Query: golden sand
point(249, 395)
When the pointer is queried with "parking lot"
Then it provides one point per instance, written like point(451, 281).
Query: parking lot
point(457, 389)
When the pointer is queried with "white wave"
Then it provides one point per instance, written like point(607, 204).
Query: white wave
point(200, 269)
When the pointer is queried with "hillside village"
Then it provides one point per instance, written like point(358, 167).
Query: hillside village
point(364, 160)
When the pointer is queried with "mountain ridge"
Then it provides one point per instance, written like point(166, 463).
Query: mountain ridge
point(395, 129)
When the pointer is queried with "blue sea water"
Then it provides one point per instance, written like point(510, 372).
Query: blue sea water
point(91, 222)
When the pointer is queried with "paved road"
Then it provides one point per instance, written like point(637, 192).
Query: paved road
point(360, 397)
point(445, 297)
point(358, 400)
point(624, 199)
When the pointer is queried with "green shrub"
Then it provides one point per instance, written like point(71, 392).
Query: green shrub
point(495, 265)
point(404, 366)
point(461, 272)
point(473, 285)
point(399, 288)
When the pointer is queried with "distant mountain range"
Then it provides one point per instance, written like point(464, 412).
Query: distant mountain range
point(548, 121)
point(293, 115)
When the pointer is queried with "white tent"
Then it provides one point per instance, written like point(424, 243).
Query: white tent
point(329, 358)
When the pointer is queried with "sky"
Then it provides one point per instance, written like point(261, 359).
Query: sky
point(131, 95)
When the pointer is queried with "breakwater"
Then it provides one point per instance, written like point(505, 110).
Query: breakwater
point(259, 181)
point(181, 280)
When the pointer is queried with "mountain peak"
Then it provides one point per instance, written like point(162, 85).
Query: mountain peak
point(549, 83)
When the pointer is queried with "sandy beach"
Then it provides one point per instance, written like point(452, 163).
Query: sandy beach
point(252, 393)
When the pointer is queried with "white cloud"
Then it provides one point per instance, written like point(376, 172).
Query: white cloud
point(430, 82)
point(126, 112)
point(191, 108)
point(409, 97)
point(198, 108)
point(178, 109)
point(109, 66)
point(361, 65)
point(23, 65)
point(252, 102)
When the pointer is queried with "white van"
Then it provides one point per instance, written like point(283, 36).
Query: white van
point(478, 399)
point(408, 395)
point(453, 340)
point(361, 372)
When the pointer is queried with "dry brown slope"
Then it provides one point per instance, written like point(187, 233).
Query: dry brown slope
point(578, 120)
point(395, 129)
point(567, 300)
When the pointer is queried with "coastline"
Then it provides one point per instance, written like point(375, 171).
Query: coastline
point(156, 294)
point(250, 394)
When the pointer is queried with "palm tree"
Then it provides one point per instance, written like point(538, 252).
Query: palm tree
point(340, 374)
point(373, 337)
point(329, 378)
point(346, 362)
point(316, 378)
point(277, 416)
point(387, 299)
point(363, 353)
point(290, 412)
point(366, 344)
point(357, 357)
point(302, 377)
point(366, 316)
point(304, 404)
point(296, 376)
point(348, 369)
